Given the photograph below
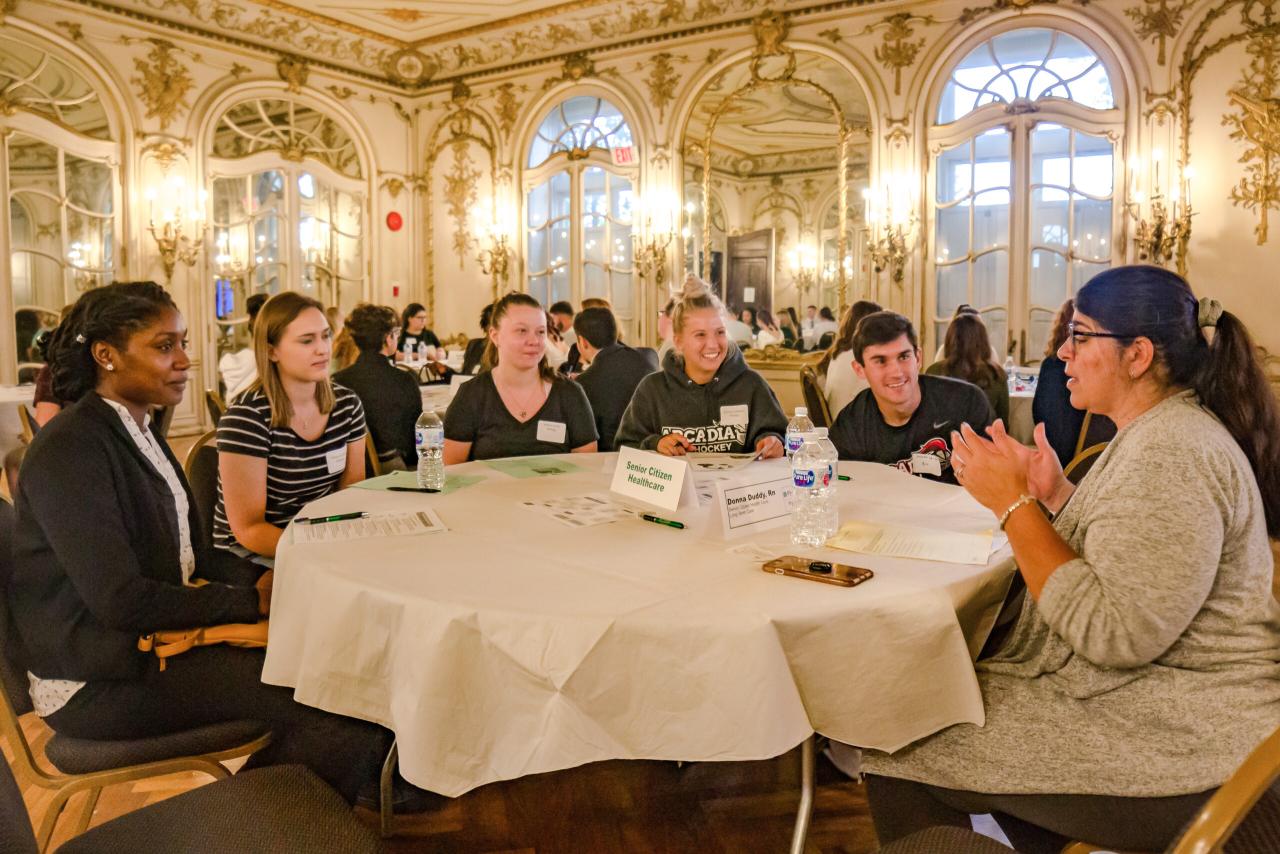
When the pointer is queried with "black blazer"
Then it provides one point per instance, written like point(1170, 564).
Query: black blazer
point(96, 552)
point(392, 404)
point(611, 381)
point(472, 355)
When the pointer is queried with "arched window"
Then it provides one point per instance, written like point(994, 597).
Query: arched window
point(579, 197)
point(288, 200)
point(1024, 175)
point(60, 179)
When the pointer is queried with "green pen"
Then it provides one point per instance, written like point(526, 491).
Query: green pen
point(341, 517)
point(669, 523)
point(844, 477)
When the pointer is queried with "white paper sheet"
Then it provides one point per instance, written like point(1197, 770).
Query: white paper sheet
point(382, 525)
point(911, 542)
point(580, 511)
point(705, 462)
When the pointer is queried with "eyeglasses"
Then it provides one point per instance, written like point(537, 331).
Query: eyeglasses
point(1077, 337)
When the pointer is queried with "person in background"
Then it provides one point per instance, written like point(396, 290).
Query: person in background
point(562, 320)
point(843, 383)
point(615, 370)
point(106, 546)
point(665, 331)
point(557, 350)
point(739, 333)
point(389, 396)
point(904, 419)
point(474, 353)
point(291, 438)
point(520, 406)
point(789, 323)
point(240, 369)
point(824, 325)
point(807, 326)
point(748, 317)
point(768, 333)
point(705, 398)
point(1051, 405)
point(1144, 663)
point(345, 351)
point(414, 331)
point(962, 310)
point(574, 362)
point(45, 404)
point(969, 358)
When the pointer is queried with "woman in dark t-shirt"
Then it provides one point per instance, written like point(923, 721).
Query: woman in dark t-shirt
point(520, 408)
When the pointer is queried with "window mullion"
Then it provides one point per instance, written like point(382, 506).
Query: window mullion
point(1020, 234)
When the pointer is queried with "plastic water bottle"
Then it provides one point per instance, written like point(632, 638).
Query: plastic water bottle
point(830, 499)
point(422, 351)
point(1010, 371)
point(810, 481)
point(428, 436)
point(408, 350)
point(798, 428)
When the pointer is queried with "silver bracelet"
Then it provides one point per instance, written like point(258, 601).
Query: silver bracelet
point(1023, 499)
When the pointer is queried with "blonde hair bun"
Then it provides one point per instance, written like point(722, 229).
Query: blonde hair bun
point(693, 288)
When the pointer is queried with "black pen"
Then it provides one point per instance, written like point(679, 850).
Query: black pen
point(669, 523)
point(340, 517)
point(410, 489)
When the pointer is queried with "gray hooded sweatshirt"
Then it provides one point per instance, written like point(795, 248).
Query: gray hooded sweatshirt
point(729, 414)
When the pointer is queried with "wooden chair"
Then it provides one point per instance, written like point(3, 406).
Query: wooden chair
point(371, 461)
point(819, 410)
point(27, 419)
point(215, 404)
point(201, 469)
point(85, 765)
point(1082, 462)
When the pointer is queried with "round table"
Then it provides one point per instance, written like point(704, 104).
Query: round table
point(511, 644)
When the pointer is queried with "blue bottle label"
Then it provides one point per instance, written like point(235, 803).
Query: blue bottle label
point(803, 478)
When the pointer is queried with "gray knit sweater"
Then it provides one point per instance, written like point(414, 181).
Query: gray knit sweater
point(1150, 665)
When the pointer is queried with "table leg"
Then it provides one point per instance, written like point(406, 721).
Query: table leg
point(808, 773)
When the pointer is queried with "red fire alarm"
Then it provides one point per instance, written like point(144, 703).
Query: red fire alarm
point(394, 221)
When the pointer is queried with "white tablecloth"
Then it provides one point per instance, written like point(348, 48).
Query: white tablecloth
point(511, 644)
point(11, 397)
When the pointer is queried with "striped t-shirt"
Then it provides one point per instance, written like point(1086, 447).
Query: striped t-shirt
point(298, 471)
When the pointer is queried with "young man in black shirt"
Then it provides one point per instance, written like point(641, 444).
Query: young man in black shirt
point(615, 369)
point(904, 419)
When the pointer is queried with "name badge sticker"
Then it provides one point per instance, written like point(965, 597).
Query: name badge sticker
point(551, 431)
point(926, 464)
point(735, 414)
point(336, 460)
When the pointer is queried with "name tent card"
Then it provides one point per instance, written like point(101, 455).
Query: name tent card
point(750, 505)
point(654, 479)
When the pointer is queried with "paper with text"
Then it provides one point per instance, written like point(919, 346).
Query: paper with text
point(906, 541)
point(382, 525)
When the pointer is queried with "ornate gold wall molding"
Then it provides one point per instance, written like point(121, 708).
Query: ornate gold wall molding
point(1159, 21)
point(898, 50)
point(73, 30)
point(968, 16)
point(662, 80)
point(294, 71)
point(162, 81)
point(507, 107)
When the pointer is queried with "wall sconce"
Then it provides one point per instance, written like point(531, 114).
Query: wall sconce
point(495, 258)
point(890, 231)
point(803, 261)
point(1162, 235)
point(649, 249)
point(171, 242)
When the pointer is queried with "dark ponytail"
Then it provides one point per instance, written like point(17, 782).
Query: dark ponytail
point(111, 313)
point(1153, 303)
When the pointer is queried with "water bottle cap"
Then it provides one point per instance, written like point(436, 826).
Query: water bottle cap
point(802, 410)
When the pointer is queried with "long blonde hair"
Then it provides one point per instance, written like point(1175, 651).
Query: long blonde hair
point(274, 318)
point(500, 308)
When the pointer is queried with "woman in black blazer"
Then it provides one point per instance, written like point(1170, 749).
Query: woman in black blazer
point(102, 555)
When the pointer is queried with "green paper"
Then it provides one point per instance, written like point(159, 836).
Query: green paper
point(531, 466)
point(452, 482)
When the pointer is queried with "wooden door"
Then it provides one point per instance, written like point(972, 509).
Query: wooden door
point(750, 280)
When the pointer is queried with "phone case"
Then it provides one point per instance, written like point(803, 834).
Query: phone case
point(803, 567)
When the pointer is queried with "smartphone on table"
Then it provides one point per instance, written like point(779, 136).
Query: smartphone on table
point(818, 570)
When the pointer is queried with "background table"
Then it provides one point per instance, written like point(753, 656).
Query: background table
point(11, 397)
point(511, 644)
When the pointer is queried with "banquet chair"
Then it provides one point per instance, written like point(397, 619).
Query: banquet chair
point(819, 410)
point(215, 404)
point(89, 765)
point(371, 461)
point(264, 811)
point(30, 427)
point(201, 469)
point(1082, 462)
point(1242, 817)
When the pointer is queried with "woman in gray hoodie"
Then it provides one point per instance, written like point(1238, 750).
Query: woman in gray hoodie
point(705, 398)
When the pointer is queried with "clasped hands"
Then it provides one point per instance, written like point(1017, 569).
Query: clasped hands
point(1000, 470)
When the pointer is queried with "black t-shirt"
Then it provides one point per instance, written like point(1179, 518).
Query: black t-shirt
point(478, 415)
point(426, 336)
point(860, 432)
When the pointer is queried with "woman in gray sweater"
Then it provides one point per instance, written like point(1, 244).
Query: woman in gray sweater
point(1144, 663)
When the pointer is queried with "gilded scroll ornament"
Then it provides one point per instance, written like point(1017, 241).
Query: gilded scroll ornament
point(662, 81)
point(294, 72)
point(832, 35)
point(507, 107)
point(163, 83)
point(1257, 124)
point(898, 50)
point(970, 15)
point(460, 198)
point(74, 31)
point(1158, 20)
